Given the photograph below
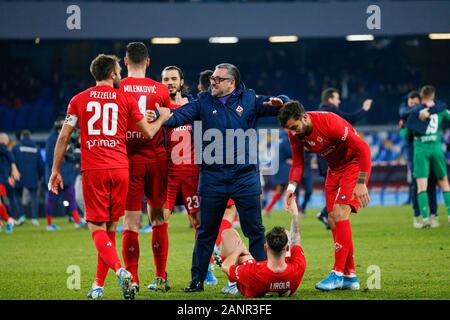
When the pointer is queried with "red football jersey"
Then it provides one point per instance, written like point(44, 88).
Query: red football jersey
point(147, 93)
point(334, 139)
point(180, 150)
point(255, 279)
point(103, 114)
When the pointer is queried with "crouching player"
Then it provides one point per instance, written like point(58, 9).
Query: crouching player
point(279, 275)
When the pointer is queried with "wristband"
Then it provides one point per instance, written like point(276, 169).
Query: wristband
point(291, 187)
point(361, 181)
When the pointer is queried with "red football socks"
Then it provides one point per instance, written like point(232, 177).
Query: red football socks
point(342, 244)
point(3, 212)
point(49, 219)
point(275, 198)
point(76, 216)
point(160, 247)
point(102, 267)
point(130, 252)
point(107, 249)
point(224, 225)
point(350, 262)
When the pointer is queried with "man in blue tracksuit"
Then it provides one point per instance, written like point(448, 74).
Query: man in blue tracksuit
point(31, 166)
point(226, 105)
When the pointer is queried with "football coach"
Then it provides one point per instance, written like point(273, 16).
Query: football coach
point(226, 105)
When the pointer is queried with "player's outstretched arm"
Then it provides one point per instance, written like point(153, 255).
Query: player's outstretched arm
point(56, 180)
point(151, 129)
point(295, 237)
point(290, 195)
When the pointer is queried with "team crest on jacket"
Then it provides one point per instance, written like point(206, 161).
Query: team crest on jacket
point(239, 110)
point(214, 112)
point(320, 140)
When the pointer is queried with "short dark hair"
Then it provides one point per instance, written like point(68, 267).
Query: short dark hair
point(184, 87)
point(103, 65)
point(292, 109)
point(413, 95)
point(232, 71)
point(25, 134)
point(204, 79)
point(277, 239)
point(327, 94)
point(427, 91)
point(137, 52)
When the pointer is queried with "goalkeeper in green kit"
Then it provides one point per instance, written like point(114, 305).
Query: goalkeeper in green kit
point(425, 125)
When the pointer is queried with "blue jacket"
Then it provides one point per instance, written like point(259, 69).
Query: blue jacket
point(6, 159)
point(241, 111)
point(350, 117)
point(417, 126)
point(29, 162)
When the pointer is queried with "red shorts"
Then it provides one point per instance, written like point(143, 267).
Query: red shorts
point(104, 194)
point(188, 186)
point(149, 179)
point(2, 190)
point(339, 187)
point(230, 203)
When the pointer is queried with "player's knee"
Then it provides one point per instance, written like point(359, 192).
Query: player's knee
point(131, 222)
point(337, 214)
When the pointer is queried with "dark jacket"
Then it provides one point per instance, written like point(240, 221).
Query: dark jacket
point(351, 117)
point(417, 126)
point(29, 162)
point(241, 111)
point(69, 166)
point(6, 159)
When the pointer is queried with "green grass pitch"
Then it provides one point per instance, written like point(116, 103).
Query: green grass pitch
point(414, 264)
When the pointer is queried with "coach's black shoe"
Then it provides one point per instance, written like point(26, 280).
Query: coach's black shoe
point(194, 286)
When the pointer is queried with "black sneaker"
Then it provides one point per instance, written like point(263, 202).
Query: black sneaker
point(323, 219)
point(194, 286)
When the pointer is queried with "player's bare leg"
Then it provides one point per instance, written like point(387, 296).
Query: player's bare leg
point(445, 186)
point(231, 241)
point(227, 223)
point(130, 244)
point(160, 247)
point(107, 257)
point(343, 275)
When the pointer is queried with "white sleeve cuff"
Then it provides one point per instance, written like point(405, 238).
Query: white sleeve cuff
point(291, 187)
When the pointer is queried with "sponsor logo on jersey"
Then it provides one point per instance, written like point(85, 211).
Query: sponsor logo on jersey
point(344, 137)
point(102, 143)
